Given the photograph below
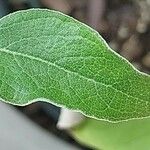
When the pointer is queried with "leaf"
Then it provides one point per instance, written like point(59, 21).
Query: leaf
point(46, 54)
point(127, 135)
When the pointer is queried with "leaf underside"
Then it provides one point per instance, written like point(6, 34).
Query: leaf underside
point(127, 135)
point(46, 54)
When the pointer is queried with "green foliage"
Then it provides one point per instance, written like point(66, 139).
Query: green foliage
point(46, 54)
point(127, 135)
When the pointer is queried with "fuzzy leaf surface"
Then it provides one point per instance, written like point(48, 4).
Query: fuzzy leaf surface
point(46, 54)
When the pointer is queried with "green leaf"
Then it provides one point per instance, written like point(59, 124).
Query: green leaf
point(102, 135)
point(46, 54)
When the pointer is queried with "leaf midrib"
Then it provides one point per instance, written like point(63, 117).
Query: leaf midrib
point(3, 50)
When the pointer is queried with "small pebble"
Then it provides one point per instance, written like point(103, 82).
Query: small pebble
point(132, 48)
point(146, 60)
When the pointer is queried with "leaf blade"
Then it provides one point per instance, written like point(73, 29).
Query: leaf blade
point(133, 134)
point(55, 57)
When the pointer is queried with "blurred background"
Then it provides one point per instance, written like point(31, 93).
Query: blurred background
point(124, 24)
